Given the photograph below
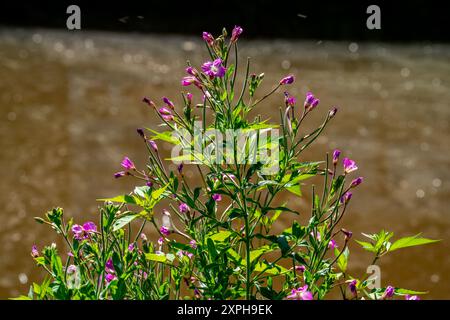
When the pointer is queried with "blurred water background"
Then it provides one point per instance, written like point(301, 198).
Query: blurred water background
point(70, 104)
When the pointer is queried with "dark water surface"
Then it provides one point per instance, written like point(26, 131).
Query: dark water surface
point(70, 104)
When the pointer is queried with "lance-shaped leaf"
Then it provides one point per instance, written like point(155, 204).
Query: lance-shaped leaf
point(410, 242)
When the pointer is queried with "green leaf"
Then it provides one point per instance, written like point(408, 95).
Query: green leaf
point(255, 254)
point(220, 236)
point(121, 199)
point(410, 242)
point(142, 191)
point(283, 244)
point(21, 298)
point(343, 258)
point(367, 246)
point(121, 222)
point(297, 230)
point(164, 136)
point(268, 268)
point(156, 194)
point(156, 257)
point(275, 216)
point(407, 291)
point(211, 248)
point(295, 189)
point(234, 256)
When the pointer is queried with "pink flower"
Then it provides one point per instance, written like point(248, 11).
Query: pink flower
point(131, 247)
point(164, 230)
point(300, 268)
point(287, 80)
point(84, 231)
point(110, 277)
point(189, 97)
point(183, 207)
point(128, 164)
point(301, 293)
point(352, 286)
point(336, 154)
point(34, 251)
point(332, 244)
point(168, 102)
point(164, 111)
point(217, 197)
point(109, 266)
point(349, 165)
point(153, 145)
point(289, 100)
point(346, 198)
point(160, 241)
point(208, 38)
point(388, 293)
point(119, 174)
point(71, 269)
point(237, 31)
point(356, 182)
point(193, 244)
point(310, 101)
point(188, 80)
point(408, 297)
point(192, 71)
point(168, 117)
point(347, 233)
point(214, 68)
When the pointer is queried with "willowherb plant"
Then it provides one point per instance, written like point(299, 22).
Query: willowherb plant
point(215, 239)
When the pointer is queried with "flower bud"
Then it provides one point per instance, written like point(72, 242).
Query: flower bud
point(237, 31)
point(356, 182)
point(348, 234)
point(119, 174)
point(149, 102)
point(208, 38)
point(388, 293)
point(287, 80)
point(336, 154)
point(153, 145)
point(332, 112)
point(34, 251)
point(168, 103)
point(140, 131)
point(164, 111)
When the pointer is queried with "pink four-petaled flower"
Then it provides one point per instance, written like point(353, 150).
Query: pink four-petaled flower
point(301, 293)
point(127, 163)
point(84, 231)
point(214, 69)
point(349, 165)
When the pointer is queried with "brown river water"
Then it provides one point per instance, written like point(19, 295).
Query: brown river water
point(70, 104)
